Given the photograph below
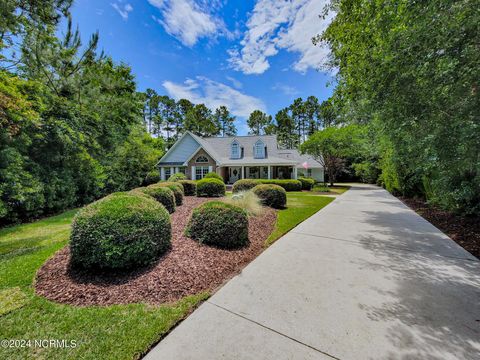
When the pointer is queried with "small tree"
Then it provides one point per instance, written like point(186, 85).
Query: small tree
point(331, 146)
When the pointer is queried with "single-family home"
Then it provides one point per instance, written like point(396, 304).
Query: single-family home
point(236, 157)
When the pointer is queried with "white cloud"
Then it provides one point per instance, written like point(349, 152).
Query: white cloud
point(189, 20)
point(122, 9)
point(214, 94)
point(236, 83)
point(282, 24)
point(286, 89)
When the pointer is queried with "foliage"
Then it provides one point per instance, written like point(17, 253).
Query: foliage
point(246, 200)
point(189, 186)
point(213, 175)
point(258, 122)
point(210, 188)
point(219, 224)
point(163, 195)
point(287, 184)
point(152, 177)
point(410, 70)
point(307, 183)
point(176, 187)
point(120, 231)
point(226, 121)
point(331, 146)
point(177, 177)
point(271, 195)
point(367, 171)
point(244, 185)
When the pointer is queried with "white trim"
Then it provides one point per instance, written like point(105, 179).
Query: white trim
point(239, 149)
point(194, 174)
point(162, 173)
point(255, 149)
point(195, 152)
point(210, 168)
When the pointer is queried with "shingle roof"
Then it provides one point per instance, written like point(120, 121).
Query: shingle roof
point(219, 148)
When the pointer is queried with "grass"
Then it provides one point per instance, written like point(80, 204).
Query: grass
point(113, 332)
point(300, 206)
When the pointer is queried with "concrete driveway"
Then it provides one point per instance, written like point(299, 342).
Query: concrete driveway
point(364, 278)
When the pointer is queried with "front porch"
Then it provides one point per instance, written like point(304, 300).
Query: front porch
point(234, 173)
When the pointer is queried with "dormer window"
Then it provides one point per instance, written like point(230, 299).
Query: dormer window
point(259, 150)
point(202, 159)
point(235, 150)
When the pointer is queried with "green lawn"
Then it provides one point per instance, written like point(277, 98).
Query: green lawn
point(113, 332)
point(300, 206)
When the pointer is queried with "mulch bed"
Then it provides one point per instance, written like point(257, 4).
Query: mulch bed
point(188, 268)
point(465, 231)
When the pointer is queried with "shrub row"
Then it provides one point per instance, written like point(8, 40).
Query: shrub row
point(219, 224)
point(210, 187)
point(307, 183)
point(247, 184)
point(120, 231)
point(163, 195)
point(176, 187)
point(213, 175)
point(271, 195)
point(189, 187)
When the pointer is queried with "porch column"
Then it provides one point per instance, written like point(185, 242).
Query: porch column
point(194, 174)
point(162, 173)
point(177, 170)
point(172, 170)
point(269, 172)
point(295, 172)
point(243, 172)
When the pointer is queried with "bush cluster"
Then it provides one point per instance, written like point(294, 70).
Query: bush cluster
point(219, 224)
point(163, 195)
point(120, 231)
point(210, 188)
point(247, 184)
point(151, 178)
point(213, 175)
point(177, 189)
point(307, 183)
point(177, 177)
point(189, 187)
point(271, 195)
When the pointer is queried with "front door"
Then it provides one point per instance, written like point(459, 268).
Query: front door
point(234, 173)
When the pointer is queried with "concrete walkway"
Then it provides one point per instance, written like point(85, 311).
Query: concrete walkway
point(364, 278)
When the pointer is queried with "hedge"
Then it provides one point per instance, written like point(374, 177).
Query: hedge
point(177, 189)
point(151, 178)
point(189, 187)
point(219, 224)
point(210, 188)
point(307, 183)
point(163, 195)
point(247, 184)
point(271, 195)
point(120, 231)
point(177, 177)
point(213, 175)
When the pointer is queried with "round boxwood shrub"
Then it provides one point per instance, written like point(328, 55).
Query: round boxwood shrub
point(219, 224)
point(177, 177)
point(120, 231)
point(213, 175)
point(287, 184)
point(271, 195)
point(210, 188)
point(162, 194)
point(177, 189)
point(307, 183)
point(189, 187)
point(244, 185)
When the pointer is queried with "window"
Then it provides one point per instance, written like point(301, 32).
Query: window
point(259, 150)
point(182, 170)
point(309, 172)
point(200, 172)
point(167, 172)
point(202, 159)
point(235, 150)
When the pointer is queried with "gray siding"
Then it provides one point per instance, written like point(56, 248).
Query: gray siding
point(183, 150)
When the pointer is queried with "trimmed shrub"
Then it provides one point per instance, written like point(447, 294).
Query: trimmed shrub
point(120, 231)
point(244, 185)
point(177, 177)
point(177, 189)
point(307, 183)
point(189, 187)
point(210, 188)
point(271, 195)
point(288, 185)
point(219, 224)
point(162, 194)
point(213, 175)
point(151, 178)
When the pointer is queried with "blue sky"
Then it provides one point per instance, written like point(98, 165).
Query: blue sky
point(243, 54)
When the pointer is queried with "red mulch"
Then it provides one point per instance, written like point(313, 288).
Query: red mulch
point(465, 231)
point(188, 268)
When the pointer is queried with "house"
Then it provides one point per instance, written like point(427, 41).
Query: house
point(237, 157)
